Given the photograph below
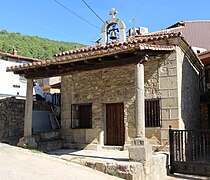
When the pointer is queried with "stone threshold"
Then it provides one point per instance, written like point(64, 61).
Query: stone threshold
point(107, 147)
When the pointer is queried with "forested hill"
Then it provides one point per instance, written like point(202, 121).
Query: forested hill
point(33, 46)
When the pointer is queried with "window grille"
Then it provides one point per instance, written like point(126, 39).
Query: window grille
point(81, 115)
point(152, 113)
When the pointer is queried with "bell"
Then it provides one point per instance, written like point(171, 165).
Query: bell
point(113, 35)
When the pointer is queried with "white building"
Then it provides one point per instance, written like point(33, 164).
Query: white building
point(11, 84)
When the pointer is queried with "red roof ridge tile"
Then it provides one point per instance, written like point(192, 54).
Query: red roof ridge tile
point(182, 23)
point(130, 40)
point(196, 21)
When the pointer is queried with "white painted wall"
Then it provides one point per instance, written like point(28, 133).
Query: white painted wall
point(8, 79)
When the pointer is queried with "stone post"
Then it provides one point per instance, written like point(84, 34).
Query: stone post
point(139, 103)
point(28, 140)
point(140, 149)
point(101, 138)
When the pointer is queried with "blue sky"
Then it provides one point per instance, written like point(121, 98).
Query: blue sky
point(46, 18)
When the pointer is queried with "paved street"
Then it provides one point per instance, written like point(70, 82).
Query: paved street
point(22, 164)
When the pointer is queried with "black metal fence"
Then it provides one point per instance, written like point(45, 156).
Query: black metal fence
point(190, 151)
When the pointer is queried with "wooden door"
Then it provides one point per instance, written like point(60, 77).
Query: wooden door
point(115, 131)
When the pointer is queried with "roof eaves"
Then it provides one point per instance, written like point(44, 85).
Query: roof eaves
point(204, 53)
point(176, 25)
point(3, 54)
point(200, 64)
point(94, 54)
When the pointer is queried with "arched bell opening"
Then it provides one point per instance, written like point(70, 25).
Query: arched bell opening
point(113, 29)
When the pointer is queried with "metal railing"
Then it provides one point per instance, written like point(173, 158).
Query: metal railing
point(190, 145)
point(189, 149)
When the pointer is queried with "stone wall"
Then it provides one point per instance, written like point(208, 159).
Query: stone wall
point(168, 90)
point(170, 78)
point(105, 86)
point(12, 116)
point(204, 116)
point(189, 93)
point(98, 87)
point(179, 93)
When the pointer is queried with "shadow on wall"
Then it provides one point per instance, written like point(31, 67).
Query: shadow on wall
point(190, 96)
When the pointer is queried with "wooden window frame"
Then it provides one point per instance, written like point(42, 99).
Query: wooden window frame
point(81, 116)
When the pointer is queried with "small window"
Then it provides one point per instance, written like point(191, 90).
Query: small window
point(81, 115)
point(152, 113)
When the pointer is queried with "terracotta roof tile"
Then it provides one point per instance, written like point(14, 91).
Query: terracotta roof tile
point(195, 32)
point(132, 43)
point(7, 55)
point(130, 40)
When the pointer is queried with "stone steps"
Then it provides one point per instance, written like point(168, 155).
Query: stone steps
point(51, 145)
point(117, 163)
point(46, 136)
point(48, 141)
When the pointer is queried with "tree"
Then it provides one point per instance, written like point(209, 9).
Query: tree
point(33, 46)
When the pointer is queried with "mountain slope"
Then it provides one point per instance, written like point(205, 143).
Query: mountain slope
point(33, 46)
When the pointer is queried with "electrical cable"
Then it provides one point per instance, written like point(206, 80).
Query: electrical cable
point(93, 11)
point(77, 15)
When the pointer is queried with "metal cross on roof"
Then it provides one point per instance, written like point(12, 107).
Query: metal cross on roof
point(113, 12)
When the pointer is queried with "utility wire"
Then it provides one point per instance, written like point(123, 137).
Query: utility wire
point(93, 11)
point(77, 15)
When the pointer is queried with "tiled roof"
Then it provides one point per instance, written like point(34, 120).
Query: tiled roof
point(205, 57)
point(196, 32)
point(7, 55)
point(182, 23)
point(133, 43)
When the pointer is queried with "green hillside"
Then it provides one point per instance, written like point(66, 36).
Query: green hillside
point(33, 46)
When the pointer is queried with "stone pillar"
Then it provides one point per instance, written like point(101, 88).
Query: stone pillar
point(28, 140)
point(139, 103)
point(140, 149)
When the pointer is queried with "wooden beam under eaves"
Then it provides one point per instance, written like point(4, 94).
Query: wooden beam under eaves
point(68, 68)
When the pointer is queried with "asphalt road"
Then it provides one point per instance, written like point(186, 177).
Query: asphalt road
point(22, 164)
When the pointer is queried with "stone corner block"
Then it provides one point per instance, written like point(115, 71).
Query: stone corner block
point(29, 141)
point(140, 150)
